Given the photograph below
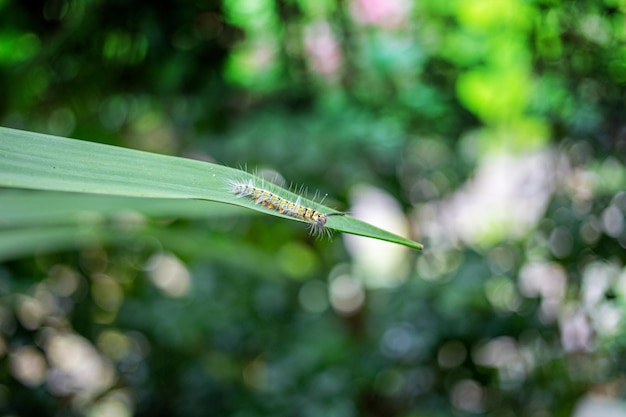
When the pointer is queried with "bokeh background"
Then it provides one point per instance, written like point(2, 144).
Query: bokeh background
point(494, 131)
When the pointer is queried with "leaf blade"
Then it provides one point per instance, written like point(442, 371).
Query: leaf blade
point(44, 162)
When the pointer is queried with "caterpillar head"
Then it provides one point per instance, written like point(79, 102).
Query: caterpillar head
point(318, 226)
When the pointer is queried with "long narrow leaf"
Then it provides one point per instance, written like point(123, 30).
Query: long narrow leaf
point(44, 162)
point(21, 208)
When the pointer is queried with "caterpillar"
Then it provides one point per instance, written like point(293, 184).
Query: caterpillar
point(317, 221)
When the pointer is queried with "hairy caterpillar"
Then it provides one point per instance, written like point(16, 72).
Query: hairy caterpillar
point(317, 221)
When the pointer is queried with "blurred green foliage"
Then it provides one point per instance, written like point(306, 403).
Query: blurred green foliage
point(495, 128)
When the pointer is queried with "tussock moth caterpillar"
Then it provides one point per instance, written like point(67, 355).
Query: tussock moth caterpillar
point(317, 221)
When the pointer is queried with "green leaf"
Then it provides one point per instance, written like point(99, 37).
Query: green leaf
point(21, 208)
point(44, 162)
